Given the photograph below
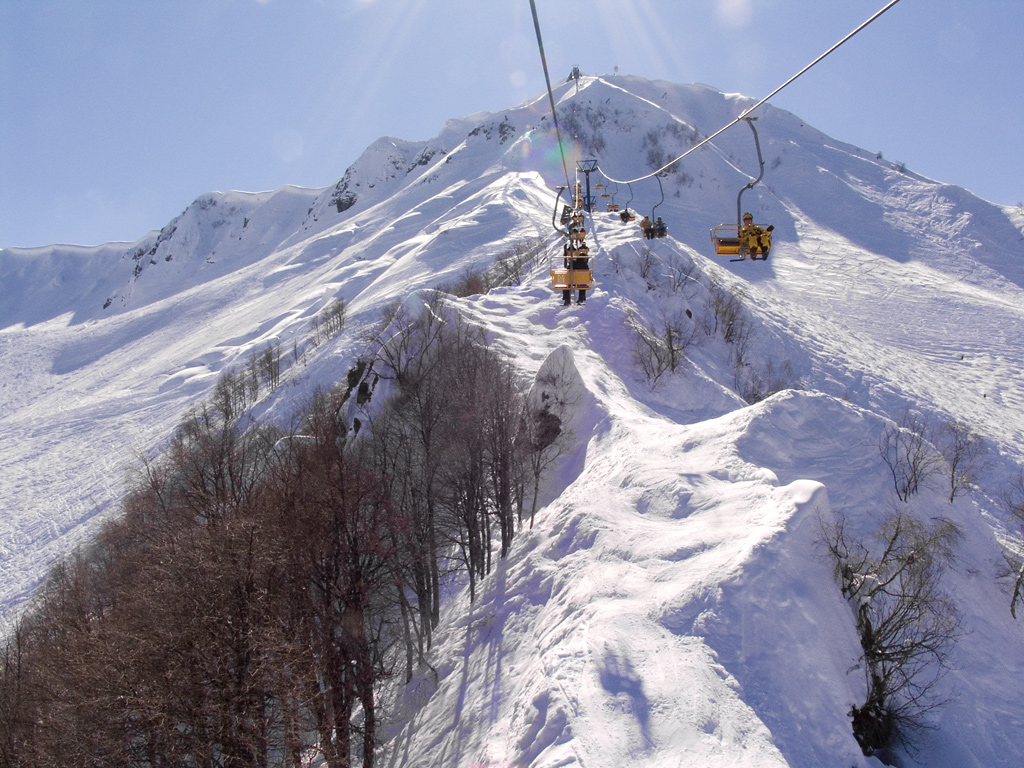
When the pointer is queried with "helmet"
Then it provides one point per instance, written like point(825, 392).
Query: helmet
point(748, 215)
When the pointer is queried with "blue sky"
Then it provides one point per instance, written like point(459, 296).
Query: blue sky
point(116, 114)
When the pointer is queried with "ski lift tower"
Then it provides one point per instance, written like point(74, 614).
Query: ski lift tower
point(587, 166)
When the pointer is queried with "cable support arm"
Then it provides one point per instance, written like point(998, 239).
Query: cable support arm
point(554, 214)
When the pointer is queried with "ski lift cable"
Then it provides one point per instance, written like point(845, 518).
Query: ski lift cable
point(746, 113)
point(551, 96)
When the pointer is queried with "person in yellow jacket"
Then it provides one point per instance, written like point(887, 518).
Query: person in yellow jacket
point(647, 227)
point(754, 238)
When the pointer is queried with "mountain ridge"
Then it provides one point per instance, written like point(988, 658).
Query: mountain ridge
point(884, 291)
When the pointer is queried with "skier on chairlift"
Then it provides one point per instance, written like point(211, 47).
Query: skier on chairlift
point(755, 238)
point(647, 227)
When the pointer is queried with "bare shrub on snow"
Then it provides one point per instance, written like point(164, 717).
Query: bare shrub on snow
point(729, 314)
point(906, 622)
point(911, 458)
point(755, 385)
point(961, 448)
point(1013, 500)
point(679, 271)
point(660, 348)
point(515, 261)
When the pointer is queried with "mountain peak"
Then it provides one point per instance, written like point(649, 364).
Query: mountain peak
point(672, 596)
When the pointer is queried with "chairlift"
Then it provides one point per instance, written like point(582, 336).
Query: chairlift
point(658, 228)
point(727, 238)
point(613, 207)
point(626, 215)
point(572, 270)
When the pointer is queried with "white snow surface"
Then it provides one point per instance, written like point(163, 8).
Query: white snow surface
point(672, 605)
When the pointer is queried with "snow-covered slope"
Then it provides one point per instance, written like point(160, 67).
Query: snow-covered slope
point(672, 604)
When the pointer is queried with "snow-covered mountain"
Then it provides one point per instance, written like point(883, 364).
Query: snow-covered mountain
point(673, 604)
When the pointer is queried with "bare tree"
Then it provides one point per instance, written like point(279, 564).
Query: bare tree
point(542, 429)
point(257, 591)
point(471, 282)
point(269, 363)
point(961, 447)
point(755, 385)
point(547, 431)
point(229, 395)
point(729, 313)
point(1013, 500)
point(402, 336)
point(393, 452)
point(158, 643)
point(343, 555)
point(511, 265)
point(253, 378)
point(661, 348)
point(907, 624)
point(333, 317)
point(647, 264)
point(680, 271)
point(503, 413)
point(679, 332)
point(905, 449)
point(649, 353)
